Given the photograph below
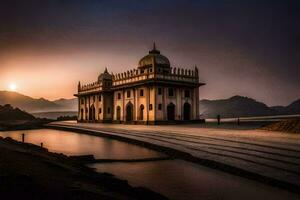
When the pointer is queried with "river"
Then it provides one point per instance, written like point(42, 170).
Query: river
point(176, 179)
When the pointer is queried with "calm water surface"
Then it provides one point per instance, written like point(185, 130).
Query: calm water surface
point(176, 179)
point(71, 143)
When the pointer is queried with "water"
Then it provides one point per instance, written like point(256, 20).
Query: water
point(70, 143)
point(183, 180)
point(176, 179)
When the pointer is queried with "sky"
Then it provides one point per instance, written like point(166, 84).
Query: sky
point(241, 47)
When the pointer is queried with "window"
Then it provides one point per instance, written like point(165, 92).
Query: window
point(82, 101)
point(159, 106)
point(108, 110)
point(100, 110)
point(141, 93)
point(159, 91)
point(150, 70)
point(119, 95)
point(142, 71)
point(171, 92)
point(100, 97)
point(150, 106)
point(128, 93)
point(187, 93)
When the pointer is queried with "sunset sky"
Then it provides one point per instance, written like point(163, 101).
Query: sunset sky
point(248, 47)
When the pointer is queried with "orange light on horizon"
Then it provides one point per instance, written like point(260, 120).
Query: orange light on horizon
point(12, 87)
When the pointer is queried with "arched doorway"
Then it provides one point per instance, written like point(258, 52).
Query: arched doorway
point(187, 111)
point(81, 114)
point(142, 112)
point(171, 111)
point(118, 113)
point(92, 113)
point(129, 112)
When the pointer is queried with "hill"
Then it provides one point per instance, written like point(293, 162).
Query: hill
point(238, 106)
point(27, 103)
point(33, 105)
point(8, 113)
point(293, 108)
point(68, 104)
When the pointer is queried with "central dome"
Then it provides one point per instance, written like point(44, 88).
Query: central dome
point(154, 58)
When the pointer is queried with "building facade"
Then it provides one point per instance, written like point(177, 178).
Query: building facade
point(153, 93)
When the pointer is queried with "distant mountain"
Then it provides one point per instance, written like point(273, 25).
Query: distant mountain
point(26, 103)
point(278, 109)
point(238, 106)
point(7, 112)
point(293, 108)
point(33, 105)
point(67, 104)
point(54, 115)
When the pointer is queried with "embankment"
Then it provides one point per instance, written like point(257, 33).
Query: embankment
point(289, 126)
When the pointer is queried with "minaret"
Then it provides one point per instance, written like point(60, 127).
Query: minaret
point(154, 50)
point(196, 71)
point(79, 86)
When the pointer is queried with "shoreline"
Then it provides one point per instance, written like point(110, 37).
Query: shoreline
point(23, 124)
point(188, 157)
point(28, 171)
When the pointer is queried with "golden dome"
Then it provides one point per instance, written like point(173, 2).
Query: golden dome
point(154, 58)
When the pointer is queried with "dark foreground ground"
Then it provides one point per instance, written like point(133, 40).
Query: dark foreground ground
point(30, 172)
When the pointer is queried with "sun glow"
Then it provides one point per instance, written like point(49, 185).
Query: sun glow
point(12, 87)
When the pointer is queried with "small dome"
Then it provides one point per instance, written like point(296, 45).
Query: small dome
point(154, 57)
point(105, 76)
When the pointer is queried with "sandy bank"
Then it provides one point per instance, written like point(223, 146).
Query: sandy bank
point(289, 126)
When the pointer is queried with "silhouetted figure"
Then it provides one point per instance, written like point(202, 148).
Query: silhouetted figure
point(42, 144)
point(23, 137)
point(219, 119)
point(238, 121)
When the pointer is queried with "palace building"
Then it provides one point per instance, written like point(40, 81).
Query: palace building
point(153, 93)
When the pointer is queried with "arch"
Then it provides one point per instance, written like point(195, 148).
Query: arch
point(81, 114)
point(171, 111)
point(186, 111)
point(92, 113)
point(142, 112)
point(118, 113)
point(129, 112)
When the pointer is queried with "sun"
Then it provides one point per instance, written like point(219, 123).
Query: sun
point(12, 87)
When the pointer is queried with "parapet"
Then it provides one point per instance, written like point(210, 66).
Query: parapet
point(136, 75)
